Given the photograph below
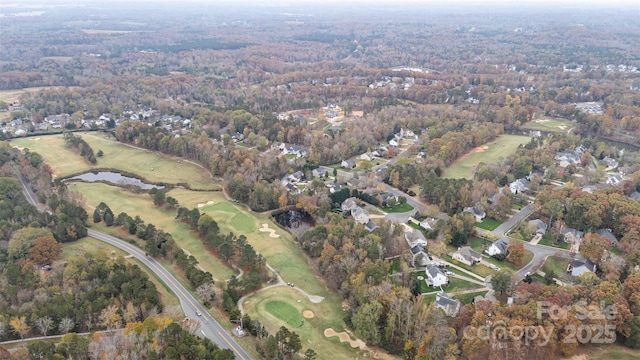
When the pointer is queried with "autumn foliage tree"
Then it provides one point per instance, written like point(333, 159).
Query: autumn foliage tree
point(45, 250)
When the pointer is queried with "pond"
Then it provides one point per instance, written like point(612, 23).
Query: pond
point(293, 219)
point(113, 178)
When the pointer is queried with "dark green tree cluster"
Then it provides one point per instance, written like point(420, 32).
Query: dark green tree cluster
point(285, 344)
point(76, 141)
point(451, 195)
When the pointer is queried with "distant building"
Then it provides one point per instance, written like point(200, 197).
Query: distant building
point(497, 248)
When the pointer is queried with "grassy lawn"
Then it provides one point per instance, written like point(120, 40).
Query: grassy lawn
point(398, 208)
point(285, 312)
point(613, 352)
point(558, 265)
point(504, 264)
point(327, 314)
point(468, 298)
point(489, 224)
point(146, 164)
point(120, 200)
point(615, 251)
point(478, 244)
point(547, 240)
point(490, 153)
point(456, 284)
point(549, 124)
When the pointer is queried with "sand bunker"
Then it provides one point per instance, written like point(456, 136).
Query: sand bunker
point(344, 337)
point(562, 127)
point(540, 121)
point(272, 233)
point(210, 202)
point(308, 314)
point(36, 139)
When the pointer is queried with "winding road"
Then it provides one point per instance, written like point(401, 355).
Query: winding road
point(209, 327)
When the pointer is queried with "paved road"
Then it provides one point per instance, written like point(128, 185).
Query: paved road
point(514, 220)
point(209, 327)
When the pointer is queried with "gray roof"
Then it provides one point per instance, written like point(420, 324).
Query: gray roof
point(468, 253)
point(434, 271)
point(606, 233)
point(539, 224)
point(502, 245)
point(581, 266)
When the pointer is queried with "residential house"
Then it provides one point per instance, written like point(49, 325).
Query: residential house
point(321, 171)
point(435, 276)
point(383, 198)
point(381, 171)
point(293, 189)
point(414, 237)
point(394, 142)
point(479, 214)
point(356, 183)
point(467, 256)
point(366, 157)
point(349, 204)
point(607, 234)
point(571, 235)
point(237, 137)
point(406, 133)
point(420, 257)
point(296, 177)
point(635, 195)
point(428, 223)
point(580, 149)
point(360, 215)
point(610, 163)
point(450, 306)
point(520, 186)
point(613, 179)
point(497, 248)
point(293, 149)
point(541, 226)
point(336, 187)
point(579, 267)
point(371, 226)
point(348, 164)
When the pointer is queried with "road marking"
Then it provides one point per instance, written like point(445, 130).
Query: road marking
point(230, 344)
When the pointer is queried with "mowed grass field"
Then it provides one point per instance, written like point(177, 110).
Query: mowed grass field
point(145, 164)
point(327, 314)
point(120, 200)
point(549, 124)
point(285, 312)
point(489, 153)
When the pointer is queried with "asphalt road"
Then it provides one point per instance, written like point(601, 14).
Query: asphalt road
point(209, 327)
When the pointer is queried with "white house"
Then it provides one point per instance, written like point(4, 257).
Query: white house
point(541, 226)
point(579, 267)
point(519, 186)
point(428, 223)
point(449, 305)
point(479, 214)
point(348, 164)
point(435, 276)
point(497, 248)
point(360, 215)
point(393, 142)
point(349, 204)
point(467, 256)
point(366, 157)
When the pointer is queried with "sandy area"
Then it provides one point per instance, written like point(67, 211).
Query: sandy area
point(344, 337)
point(540, 121)
point(308, 314)
point(480, 149)
point(210, 202)
point(36, 139)
point(272, 233)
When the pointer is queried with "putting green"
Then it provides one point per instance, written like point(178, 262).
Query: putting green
point(285, 312)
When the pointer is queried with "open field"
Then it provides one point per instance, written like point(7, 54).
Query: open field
point(327, 314)
point(489, 153)
point(148, 165)
point(549, 124)
point(120, 200)
point(488, 224)
point(613, 352)
point(87, 245)
point(558, 266)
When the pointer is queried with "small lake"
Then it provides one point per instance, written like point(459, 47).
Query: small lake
point(113, 178)
point(293, 219)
